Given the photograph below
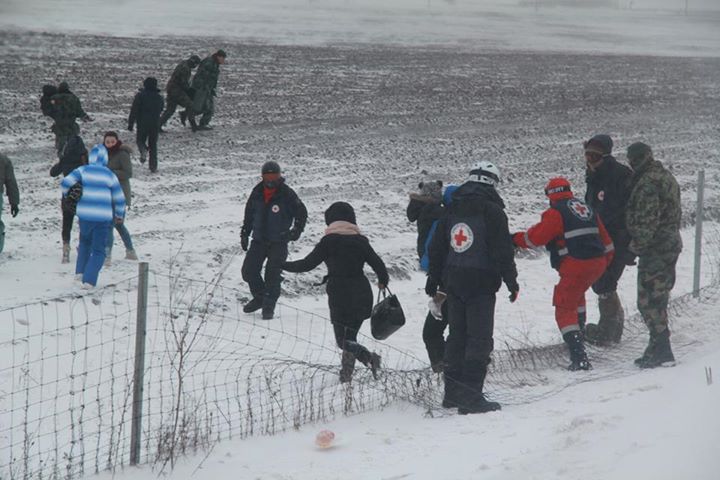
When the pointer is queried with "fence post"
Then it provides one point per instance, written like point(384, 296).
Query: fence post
point(139, 373)
point(698, 232)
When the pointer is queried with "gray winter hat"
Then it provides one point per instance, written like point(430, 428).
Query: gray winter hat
point(432, 189)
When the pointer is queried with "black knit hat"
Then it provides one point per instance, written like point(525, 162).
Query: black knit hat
point(270, 167)
point(601, 144)
point(638, 151)
point(340, 211)
point(150, 83)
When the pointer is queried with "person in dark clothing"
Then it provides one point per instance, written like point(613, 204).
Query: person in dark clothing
point(45, 100)
point(471, 253)
point(65, 109)
point(274, 215)
point(345, 251)
point(424, 208)
point(608, 190)
point(146, 109)
point(204, 85)
point(179, 92)
point(74, 155)
point(9, 186)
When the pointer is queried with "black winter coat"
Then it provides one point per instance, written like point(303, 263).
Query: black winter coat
point(608, 191)
point(271, 222)
point(473, 198)
point(70, 158)
point(146, 109)
point(424, 211)
point(350, 296)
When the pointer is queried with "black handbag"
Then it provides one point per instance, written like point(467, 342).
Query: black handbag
point(387, 315)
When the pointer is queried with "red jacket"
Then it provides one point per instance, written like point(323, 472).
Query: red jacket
point(551, 228)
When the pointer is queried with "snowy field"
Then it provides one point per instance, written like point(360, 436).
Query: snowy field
point(360, 103)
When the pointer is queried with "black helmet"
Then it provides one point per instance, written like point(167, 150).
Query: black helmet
point(270, 167)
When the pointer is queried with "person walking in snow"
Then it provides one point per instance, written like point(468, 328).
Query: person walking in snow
point(471, 255)
point(8, 185)
point(274, 216)
point(179, 92)
point(345, 251)
point(580, 250)
point(204, 85)
point(608, 189)
point(653, 217)
point(426, 208)
point(101, 204)
point(146, 109)
point(65, 108)
point(120, 164)
point(74, 154)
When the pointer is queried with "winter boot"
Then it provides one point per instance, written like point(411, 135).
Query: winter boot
point(268, 312)
point(66, 252)
point(193, 123)
point(578, 357)
point(369, 359)
point(609, 328)
point(658, 352)
point(347, 363)
point(130, 255)
point(480, 404)
point(253, 305)
point(452, 389)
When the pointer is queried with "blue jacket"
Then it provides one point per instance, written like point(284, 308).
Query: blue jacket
point(102, 197)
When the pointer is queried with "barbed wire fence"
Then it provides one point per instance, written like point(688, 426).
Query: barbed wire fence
point(212, 372)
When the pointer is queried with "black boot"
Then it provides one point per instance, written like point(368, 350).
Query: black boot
point(183, 117)
point(578, 357)
point(452, 385)
point(658, 351)
point(193, 123)
point(370, 359)
point(253, 305)
point(347, 367)
point(471, 398)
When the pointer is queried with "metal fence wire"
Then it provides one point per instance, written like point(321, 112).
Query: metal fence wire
point(212, 372)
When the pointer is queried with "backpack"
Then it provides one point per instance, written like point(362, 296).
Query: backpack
point(71, 199)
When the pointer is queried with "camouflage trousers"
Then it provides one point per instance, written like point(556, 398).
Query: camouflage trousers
point(655, 280)
point(173, 100)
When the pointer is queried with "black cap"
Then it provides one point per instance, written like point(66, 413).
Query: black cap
point(270, 167)
point(601, 144)
point(221, 53)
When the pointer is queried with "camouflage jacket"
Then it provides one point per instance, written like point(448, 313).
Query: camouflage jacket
point(180, 79)
point(7, 181)
point(653, 211)
point(207, 74)
point(65, 109)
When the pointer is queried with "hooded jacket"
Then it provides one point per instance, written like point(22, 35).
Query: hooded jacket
point(146, 107)
point(102, 198)
point(481, 204)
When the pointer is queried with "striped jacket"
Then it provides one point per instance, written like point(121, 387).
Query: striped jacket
point(102, 197)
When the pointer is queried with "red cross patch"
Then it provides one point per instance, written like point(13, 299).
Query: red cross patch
point(461, 237)
point(579, 209)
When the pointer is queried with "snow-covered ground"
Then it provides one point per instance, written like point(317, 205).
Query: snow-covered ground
point(360, 102)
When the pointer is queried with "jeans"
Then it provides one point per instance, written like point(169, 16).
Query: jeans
point(124, 234)
point(91, 251)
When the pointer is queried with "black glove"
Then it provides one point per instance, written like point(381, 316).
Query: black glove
point(291, 235)
point(14, 210)
point(514, 291)
point(431, 286)
point(244, 241)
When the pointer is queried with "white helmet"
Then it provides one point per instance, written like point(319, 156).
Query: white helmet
point(485, 172)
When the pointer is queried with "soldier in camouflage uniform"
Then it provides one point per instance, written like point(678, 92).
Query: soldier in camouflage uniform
point(179, 92)
point(204, 84)
point(653, 221)
point(65, 108)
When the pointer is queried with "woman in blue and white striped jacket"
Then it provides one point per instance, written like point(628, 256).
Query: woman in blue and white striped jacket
point(101, 204)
